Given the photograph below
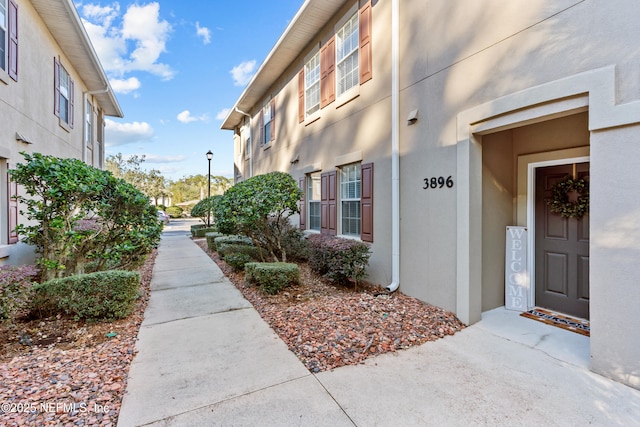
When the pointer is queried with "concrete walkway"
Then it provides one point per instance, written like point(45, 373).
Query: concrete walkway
point(206, 358)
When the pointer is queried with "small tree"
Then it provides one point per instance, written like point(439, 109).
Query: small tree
point(83, 219)
point(260, 208)
point(204, 208)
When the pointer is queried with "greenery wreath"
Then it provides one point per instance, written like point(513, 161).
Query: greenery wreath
point(570, 198)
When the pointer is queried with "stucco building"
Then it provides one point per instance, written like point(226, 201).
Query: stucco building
point(54, 96)
point(427, 127)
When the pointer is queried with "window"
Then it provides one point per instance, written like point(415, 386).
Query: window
point(347, 43)
point(88, 125)
point(9, 38)
point(267, 123)
point(313, 200)
point(64, 92)
point(247, 148)
point(312, 85)
point(350, 199)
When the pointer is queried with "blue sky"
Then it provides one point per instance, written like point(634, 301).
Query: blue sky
point(177, 67)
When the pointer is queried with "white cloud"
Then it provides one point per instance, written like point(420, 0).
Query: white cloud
point(204, 33)
point(125, 85)
point(153, 158)
point(222, 114)
point(243, 72)
point(117, 133)
point(186, 117)
point(140, 27)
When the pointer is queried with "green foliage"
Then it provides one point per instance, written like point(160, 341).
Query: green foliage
point(174, 211)
point(561, 203)
point(295, 243)
point(211, 239)
point(202, 232)
point(260, 208)
point(15, 290)
point(338, 259)
point(204, 208)
point(270, 277)
point(151, 183)
point(82, 219)
point(105, 295)
point(237, 261)
point(194, 186)
point(195, 227)
point(233, 240)
point(225, 249)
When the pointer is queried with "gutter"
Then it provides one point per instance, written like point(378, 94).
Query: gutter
point(250, 139)
point(395, 147)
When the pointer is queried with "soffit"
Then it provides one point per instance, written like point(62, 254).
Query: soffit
point(312, 16)
point(64, 24)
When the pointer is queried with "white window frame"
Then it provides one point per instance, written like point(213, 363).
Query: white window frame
point(266, 131)
point(348, 49)
point(88, 124)
point(350, 193)
point(313, 179)
point(4, 40)
point(63, 82)
point(312, 86)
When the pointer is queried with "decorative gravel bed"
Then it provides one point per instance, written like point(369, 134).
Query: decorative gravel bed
point(59, 372)
point(329, 326)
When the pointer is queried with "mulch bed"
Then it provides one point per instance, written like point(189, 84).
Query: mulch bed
point(329, 326)
point(59, 372)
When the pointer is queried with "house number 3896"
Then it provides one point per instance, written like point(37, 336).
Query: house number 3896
point(438, 182)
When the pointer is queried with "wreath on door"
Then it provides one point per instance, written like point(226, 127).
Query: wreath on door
point(570, 198)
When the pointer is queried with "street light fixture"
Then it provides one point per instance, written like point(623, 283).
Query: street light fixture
point(209, 157)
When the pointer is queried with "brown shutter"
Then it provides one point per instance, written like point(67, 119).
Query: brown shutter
point(303, 204)
point(366, 63)
point(13, 40)
point(328, 203)
point(13, 208)
point(366, 203)
point(301, 109)
point(56, 87)
point(272, 137)
point(327, 73)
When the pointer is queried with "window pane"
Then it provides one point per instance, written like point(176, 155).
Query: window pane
point(351, 218)
point(314, 215)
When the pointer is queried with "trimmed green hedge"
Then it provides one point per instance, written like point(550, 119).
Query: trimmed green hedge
point(338, 259)
point(211, 239)
point(196, 227)
point(225, 249)
point(237, 261)
point(104, 295)
point(270, 277)
point(233, 239)
point(201, 232)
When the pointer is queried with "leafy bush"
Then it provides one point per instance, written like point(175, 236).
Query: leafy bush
point(237, 261)
point(270, 277)
point(15, 290)
point(233, 240)
point(202, 232)
point(174, 211)
point(196, 227)
point(338, 259)
point(225, 249)
point(260, 208)
point(104, 295)
point(80, 217)
point(204, 208)
point(211, 239)
point(295, 243)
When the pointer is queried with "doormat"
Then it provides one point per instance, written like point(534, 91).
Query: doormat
point(579, 326)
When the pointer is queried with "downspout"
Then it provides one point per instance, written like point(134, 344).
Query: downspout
point(250, 139)
point(395, 146)
point(85, 97)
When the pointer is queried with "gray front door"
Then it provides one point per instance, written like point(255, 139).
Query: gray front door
point(561, 248)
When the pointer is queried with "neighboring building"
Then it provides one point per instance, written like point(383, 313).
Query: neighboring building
point(428, 126)
point(54, 95)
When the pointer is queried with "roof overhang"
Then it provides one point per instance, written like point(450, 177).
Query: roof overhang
point(312, 16)
point(64, 24)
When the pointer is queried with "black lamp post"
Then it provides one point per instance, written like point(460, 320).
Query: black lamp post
point(209, 157)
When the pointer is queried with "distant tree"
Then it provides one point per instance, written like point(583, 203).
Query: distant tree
point(195, 187)
point(151, 183)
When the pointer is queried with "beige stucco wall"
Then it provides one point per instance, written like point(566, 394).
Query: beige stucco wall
point(489, 79)
point(26, 107)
